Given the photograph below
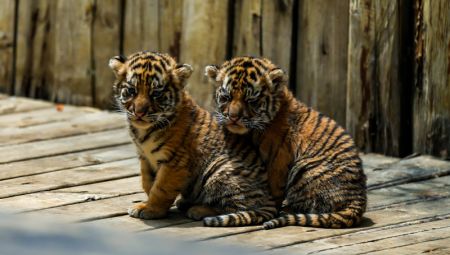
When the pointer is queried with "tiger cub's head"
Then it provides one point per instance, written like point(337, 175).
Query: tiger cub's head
point(148, 86)
point(247, 90)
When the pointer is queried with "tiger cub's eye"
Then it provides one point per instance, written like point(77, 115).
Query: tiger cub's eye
point(131, 91)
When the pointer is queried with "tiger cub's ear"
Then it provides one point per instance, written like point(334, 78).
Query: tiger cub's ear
point(278, 78)
point(117, 64)
point(183, 72)
point(211, 72)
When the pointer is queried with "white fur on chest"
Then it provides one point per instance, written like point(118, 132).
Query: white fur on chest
point(149, 150)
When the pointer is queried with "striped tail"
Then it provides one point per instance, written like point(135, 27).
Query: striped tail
point(242, 218)
point(341, 219)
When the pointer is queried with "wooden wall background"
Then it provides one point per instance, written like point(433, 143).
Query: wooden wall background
point(379, 67)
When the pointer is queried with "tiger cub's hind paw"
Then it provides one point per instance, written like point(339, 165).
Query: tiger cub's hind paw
point(145, 212)
point(199, 212)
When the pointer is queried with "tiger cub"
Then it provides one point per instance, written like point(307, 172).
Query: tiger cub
point(182, 149)
point(315, 172)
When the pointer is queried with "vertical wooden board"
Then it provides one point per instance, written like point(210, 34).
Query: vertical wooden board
point(6, 45)
point(322, 56)
point(106, 44)
point(170, 20)
point(374, 88)
point(432, 91)
point(141, 28)
point(388, 83)
point(73, 52)
point(34, 57)
point(204, 40)
point(247, 28)
point(277, 31)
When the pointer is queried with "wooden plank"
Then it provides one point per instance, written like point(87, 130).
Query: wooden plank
point(277, 31)
point(61, 146)
point(432, 88)
point(414, 169)
point(69, 178)
point(73, 195)
point(134, 225)
point(66, 161)
point(73, 46)
point(35, 48)
point(106, 44)
point(100, 209)
point(322, 56)
point(17, 104)
point(435, 247)
point(141, 29)
point(7, 20)
point(247, 28)
point(203, 46)
point(379, 199)
point(43, 116)
point(287, 236)
point(373, 91)
point(87, 123)
point(377, 240)
point(170, 26)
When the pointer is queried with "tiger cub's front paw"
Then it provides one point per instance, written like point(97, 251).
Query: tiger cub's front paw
point(143, 211)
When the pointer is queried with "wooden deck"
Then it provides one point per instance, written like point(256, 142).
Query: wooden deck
point(78, 163)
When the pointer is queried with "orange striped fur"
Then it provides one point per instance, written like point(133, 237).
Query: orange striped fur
point(315, 173)
point(183, 150)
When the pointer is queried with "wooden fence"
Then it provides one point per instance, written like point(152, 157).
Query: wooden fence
point(379, 67)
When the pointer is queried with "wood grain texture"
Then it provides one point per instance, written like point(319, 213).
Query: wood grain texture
point(322, 56)
point(432, 90)
point(35, 48)
point(277, 31)
point(141, 27)
point(203, 42)
point(7, 45)
point(247, 29)
point(105, 44)
point(170, 26)
point(373, 85)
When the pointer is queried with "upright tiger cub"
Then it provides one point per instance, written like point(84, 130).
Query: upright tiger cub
point(312, 162)
point(182, 149)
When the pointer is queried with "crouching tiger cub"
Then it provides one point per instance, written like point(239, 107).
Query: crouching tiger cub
point(312, 162)
point(182, 149)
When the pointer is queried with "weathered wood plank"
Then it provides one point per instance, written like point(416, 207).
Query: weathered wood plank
point(432, 88)
point(17, 104)
point(379, 199)
point(69, 178)
point(43, 116)
point(87, 123)
point(170, 26)
point(247, 29)
point(203, 42)
point(35, 48)
point(66, 161)
point(436, 247)
point(99, 209)
point(73, 46)
point(414, 169)
point(60, 146)
point(73, 195)
point(277, 31)
point(286, 236)
point(377, 240)
point(373, 91)
point(141, 28)
point(322, 56)
point(7, 20)
point(105, 44)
